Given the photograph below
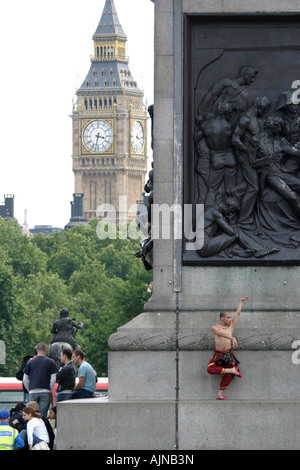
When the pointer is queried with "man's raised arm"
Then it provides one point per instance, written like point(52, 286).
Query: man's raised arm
point(237, 315)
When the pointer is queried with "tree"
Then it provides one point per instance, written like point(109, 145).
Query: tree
point(108, 301)
point(100, 281)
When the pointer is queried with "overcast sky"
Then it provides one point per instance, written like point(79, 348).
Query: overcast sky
point(45, 55)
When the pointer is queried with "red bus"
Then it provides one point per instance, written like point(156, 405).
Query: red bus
point(11, 391)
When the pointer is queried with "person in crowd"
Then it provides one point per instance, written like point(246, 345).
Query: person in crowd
point(10, 438)
point(52, 417)
point(39, 378)
point(52, 420)
point(21, 370)
point(36, 430)
point(15, 420)
point(65, 377)
point(35, 406)
point(86, 386)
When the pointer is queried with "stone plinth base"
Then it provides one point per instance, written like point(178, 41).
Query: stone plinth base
point(104, 424)
point(148, 375)
point(141, 413)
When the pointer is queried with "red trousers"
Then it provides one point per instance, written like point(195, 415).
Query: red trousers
point(214, 369)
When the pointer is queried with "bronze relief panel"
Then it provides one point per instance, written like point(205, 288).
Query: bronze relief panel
point(242, 138)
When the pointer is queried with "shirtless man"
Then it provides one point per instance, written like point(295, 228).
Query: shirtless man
point(224, 362)
point(217, 134)
point(232, 91)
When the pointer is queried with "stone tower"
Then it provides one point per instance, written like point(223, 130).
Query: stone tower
point(109, 127)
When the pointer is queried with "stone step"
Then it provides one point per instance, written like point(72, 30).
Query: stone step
point(203, 424)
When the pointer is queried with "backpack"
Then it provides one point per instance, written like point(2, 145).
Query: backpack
point(20, 372)
point(50, 432)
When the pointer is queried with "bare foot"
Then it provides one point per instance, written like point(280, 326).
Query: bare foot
point(235, 371)
point(220, 396)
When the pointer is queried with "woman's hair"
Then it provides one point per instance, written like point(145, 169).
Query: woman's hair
point(31, 411)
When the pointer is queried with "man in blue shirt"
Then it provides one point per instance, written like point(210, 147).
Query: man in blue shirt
point(9, 437)
point(86, 385)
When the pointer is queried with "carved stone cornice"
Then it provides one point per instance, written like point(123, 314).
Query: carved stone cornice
point(147, 337)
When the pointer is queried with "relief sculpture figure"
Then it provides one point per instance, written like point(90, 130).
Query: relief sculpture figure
point(221, 232)
point(291, 128)
point(266, 153)
point(217, 134)
point(249, 124)
point(231, 91)
point(289, 115)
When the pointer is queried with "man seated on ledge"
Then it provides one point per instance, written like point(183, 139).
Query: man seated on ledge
point(86, 386)
point(224, 361)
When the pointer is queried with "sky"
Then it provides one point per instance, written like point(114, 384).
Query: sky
point(45, 56)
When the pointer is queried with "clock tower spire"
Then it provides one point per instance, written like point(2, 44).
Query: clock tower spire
point(109, 126)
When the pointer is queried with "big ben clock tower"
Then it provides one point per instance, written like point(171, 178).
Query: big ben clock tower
point(109, 126)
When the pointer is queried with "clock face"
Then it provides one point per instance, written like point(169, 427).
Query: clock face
point(97, 136)
point(137, 137)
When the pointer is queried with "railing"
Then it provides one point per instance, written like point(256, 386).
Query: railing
point(109, 58)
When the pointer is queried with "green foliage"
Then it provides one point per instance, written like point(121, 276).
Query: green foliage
point(101, 282)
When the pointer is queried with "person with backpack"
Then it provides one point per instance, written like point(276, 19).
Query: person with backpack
point(36, 430)
point(20, 371)
point(35, 406)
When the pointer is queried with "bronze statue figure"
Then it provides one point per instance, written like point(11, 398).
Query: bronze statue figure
point(64, 330)
point(144, 221)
